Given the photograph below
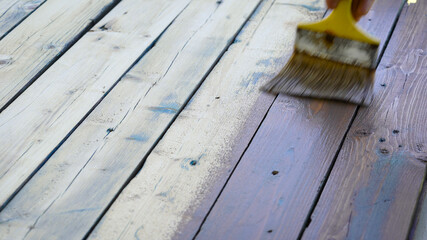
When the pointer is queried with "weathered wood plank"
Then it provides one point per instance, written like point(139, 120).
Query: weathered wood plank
point(375, 184)
point(104, 151)
point(185, 172)
point(35, 43)
point(420, 223)
point(36, 122)
point(12, 12)
point(271, 191)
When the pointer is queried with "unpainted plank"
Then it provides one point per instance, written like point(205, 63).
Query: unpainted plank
point(375, 183)
point(12, 12)
point(35, 43)
point(271, 191)
point(36, 122)
point(179, 180)
point(104, 151)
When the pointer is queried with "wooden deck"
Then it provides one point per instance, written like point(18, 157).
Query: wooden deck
point(141, 119)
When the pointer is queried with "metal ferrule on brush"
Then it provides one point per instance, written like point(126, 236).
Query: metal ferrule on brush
point(328, 46)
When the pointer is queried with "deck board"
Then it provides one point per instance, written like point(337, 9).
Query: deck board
point(375, 184)
point(40, 39)
point(272, 190)
point(185, 172)
point(420, 220)
point(43, 116)
point(12, 12)
point(112, 141)
point(143, 119)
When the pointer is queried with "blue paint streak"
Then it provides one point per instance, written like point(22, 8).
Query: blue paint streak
point(170, 98)
point(373, 202)
point(185, 163)
point(253, 79)
point(308, 7)
point(80, 210)
point(281, 201)
point(272, 61)
point(162, 194)
point(136, 232)
point(167, 106)
point(264, 62)
point(155, 187)
point(138, 137)
point(166, 109)
point(190, 162)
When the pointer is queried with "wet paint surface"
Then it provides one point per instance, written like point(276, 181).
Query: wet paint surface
point(373, 202)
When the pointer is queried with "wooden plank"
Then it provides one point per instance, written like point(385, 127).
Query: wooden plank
point(36, 122)
point(108, 146)
point(275, 184)
point(375, 184)
point(420, 223)
point(12, 12)
point(36, 43)
point(179, 181)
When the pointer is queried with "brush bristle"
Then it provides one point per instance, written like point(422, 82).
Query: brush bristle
point(314, 77)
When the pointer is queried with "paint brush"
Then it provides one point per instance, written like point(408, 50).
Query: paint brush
point(332, 59)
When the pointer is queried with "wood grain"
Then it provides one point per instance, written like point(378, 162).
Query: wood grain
point(35, 43)
point(275, 184)
point(36, 122)
point(104, 151)
point(374, 186)
point(12, 12)
point(186, 170)
point(420, 223)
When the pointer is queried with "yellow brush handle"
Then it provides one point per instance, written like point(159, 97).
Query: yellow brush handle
point(341, 24)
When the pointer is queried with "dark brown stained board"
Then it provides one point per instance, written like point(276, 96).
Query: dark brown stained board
point(376, 181)
point(33, 126)
point(419, 225)
point(12, 12)
point(70, 192)
point(275, 184)
point(32, 46)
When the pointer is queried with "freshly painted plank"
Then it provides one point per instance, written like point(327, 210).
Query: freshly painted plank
point(35, 43)
point(420, 223)
point(36, 122)
point(12, 12)
point(179, 181)
point(275, 184)
point(104, 151)
point(376, 181)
